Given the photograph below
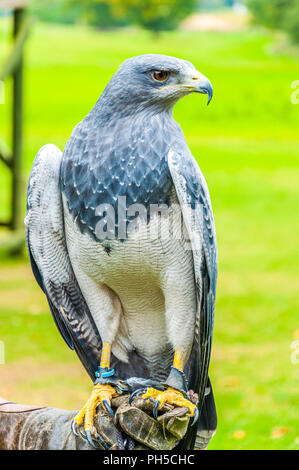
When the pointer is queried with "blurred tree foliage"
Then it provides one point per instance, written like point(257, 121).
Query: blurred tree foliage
point(93, 12)
point(207, 5)
point(277, 14)
point(54, 11)
point(97, 13)
point(155, 15)
point(291, 21)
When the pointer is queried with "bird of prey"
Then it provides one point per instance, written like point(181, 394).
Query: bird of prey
point(121, 239)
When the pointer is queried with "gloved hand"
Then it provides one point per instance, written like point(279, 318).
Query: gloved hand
point(137, 422)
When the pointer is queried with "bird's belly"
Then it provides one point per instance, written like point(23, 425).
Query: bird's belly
point(137, 271)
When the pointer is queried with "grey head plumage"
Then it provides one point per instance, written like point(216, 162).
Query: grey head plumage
point(134, 88)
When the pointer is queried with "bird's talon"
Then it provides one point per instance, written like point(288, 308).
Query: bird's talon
point(74, 430)
point(108, 408)
point(99, 439)
point(172, 397)
point(136, 393)
point(155, 410)
point(103, 443)
point(101, 395)
point(196, 416)
point(89, 438)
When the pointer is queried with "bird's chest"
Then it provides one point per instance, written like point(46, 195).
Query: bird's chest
point(141, 261)
point(118, 172)
point(149, 240)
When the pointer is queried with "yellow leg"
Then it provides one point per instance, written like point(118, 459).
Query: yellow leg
point(171, 395)
point(106, 355)
point(178, 360)
point(101, 394)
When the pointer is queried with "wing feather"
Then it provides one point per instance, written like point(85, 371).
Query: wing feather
point(194, 199)
point(50, 260)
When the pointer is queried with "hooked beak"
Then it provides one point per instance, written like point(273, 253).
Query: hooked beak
point(195, 82)
point(202, 85)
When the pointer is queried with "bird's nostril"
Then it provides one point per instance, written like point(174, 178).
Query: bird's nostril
point(195, 78)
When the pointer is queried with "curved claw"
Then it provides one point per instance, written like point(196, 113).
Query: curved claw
point(196, 416)
point(108, 408)
point(90, 441)
point(155, 410)
point(136, 393)
point(73, 427)
point(102, 442)
point(121, 387)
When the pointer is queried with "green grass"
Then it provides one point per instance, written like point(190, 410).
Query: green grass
point(247, 144)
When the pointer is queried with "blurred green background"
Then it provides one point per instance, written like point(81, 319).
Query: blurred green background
point(247, 145)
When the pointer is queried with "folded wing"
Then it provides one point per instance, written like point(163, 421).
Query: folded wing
point(50, 260)
point(194, 199)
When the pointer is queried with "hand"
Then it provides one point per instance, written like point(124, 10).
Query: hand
point(137, 421)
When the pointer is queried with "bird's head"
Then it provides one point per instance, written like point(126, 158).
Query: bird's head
point(154, 79)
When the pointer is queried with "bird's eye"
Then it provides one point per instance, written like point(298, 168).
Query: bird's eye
point(160, 75)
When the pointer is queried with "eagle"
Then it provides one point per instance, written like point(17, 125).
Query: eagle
point(121, 239)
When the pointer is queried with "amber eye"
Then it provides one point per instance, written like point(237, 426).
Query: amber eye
point(160, 75)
